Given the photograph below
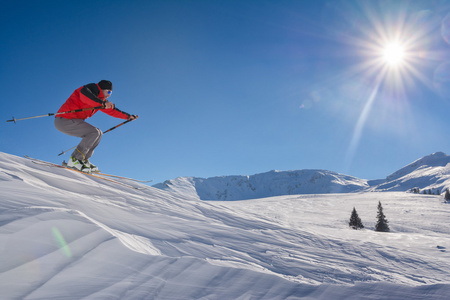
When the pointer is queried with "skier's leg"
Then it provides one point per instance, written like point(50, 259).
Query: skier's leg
point(96, 136)
point(90, 135)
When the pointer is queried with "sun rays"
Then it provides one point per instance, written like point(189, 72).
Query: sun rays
point(390, 47)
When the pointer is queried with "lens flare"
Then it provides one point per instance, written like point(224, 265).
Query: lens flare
point(59, 239)
point(357, 131)
point(441, 80)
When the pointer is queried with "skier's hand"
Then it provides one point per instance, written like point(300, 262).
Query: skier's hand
point(133, 117)
point(109, 105)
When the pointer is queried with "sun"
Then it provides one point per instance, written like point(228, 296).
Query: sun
point(393, 54)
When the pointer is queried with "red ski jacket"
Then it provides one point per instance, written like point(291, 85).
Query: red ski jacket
point(88, 96)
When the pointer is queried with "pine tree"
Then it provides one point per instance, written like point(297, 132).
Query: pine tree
point(447, 195)
point(382, 222)
point(355, 221)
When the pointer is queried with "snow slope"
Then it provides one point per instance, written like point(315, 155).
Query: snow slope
point(430, 172)
point(65, 235)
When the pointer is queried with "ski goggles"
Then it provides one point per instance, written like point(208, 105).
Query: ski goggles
point(109, 92)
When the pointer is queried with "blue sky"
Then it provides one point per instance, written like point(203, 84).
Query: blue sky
point(232, 87)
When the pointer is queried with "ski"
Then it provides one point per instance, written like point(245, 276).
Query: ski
point(121, 177)
point(64, 164)
point(49, 164)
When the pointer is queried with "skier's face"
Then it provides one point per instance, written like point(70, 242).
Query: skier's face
point(107, 93)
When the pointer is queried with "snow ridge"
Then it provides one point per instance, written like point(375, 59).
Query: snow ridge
point(431, 172)
point(438, 159)
point(273, 183)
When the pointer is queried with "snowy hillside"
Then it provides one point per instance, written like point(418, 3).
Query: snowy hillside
point(65, 235)
point(430, 172)
point(274, 183)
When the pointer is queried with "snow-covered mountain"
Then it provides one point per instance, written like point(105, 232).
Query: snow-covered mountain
point(274, 183)
point(66, 235)
point(430, 172)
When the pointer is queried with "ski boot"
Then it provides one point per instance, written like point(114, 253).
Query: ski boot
point(78, 165)
point(93, 167)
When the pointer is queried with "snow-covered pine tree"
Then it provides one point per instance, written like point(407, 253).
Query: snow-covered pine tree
point(355, 221)
point(382, 222)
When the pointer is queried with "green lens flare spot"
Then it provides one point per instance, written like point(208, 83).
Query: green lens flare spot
point(59, 239)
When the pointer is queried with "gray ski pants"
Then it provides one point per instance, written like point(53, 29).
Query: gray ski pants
point(90, 135)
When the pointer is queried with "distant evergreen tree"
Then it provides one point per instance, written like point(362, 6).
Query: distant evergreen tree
point(355, 221)
point(415, 190)
point(447, 195)
point(382, 222)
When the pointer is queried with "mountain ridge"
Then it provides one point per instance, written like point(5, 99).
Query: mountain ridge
point(431, 172)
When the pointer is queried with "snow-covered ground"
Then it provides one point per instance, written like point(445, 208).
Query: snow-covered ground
point(65, 235)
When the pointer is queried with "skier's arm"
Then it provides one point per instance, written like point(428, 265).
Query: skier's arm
point(117, 113)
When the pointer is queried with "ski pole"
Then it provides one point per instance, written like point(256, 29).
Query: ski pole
point(111, 129)
point(56, 114)
point(123, 123)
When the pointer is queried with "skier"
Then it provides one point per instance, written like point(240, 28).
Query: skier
point(87, 96)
